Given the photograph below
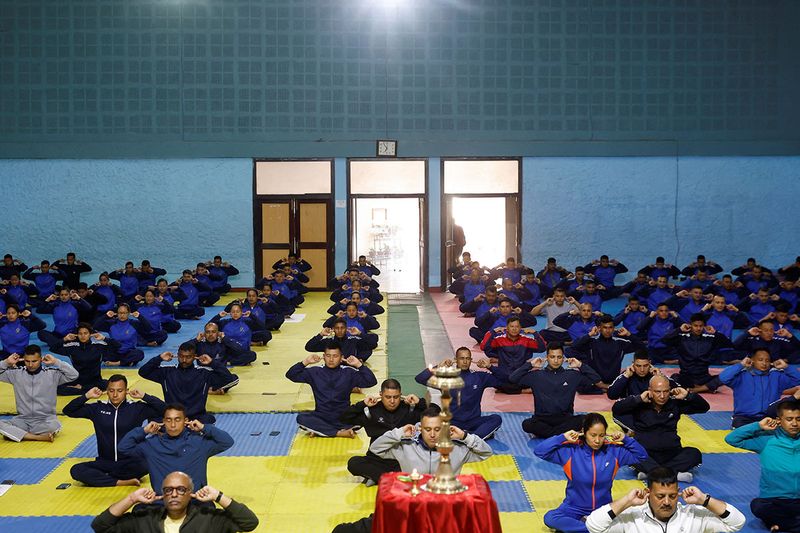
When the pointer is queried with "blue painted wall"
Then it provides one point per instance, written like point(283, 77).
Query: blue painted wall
point(434, 238)
point(173, 212)
point(316, 78)
point(638, 208)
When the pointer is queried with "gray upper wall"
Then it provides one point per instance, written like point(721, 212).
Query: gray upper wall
point(301, 78)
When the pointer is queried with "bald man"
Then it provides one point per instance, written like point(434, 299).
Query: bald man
point(655, 414)
point(178, 492)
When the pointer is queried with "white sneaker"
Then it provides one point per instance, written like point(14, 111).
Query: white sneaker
point(641, 476)
point(685, 477)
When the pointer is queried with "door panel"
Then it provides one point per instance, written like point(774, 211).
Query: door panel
point(269, 257)
point(275, 223)
point(313, 222)
point(318, 259)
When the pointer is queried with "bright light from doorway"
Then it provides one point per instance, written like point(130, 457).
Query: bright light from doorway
point(484, 223)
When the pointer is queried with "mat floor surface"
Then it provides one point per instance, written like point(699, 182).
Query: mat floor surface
point(297, 483)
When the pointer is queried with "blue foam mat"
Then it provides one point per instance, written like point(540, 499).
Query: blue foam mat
point(510, 497)
point(87, 448)
point(46, 524)
point(510, 439)
point(27, 471)
point(713, 420)
point(241, 427)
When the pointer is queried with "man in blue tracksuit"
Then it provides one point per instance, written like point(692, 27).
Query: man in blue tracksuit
point(466, 405)
point(207, 297)
point(777, 443)
point(654, 328)
point(189, 382)
point(578, 323)
point(554, 389)
point(688, 302)
point(128, 278)
point(696, 345)
point(331, 385)
point(509, 269)
point(603, 349)
point(755, 385)
point(636, 287)
point(147, 275)
point(481, 303)
point(264, 309)
point(604, 272)
point(660, 291)
point(301, 265)
point(631, 315)
point(589, 294)
point(552, 274)
point(758, 305)
point(734, 293)
point(11, 266)
point(220, 272)
point(189, 296)
point(45, 280)
point(185, 446)
point(113, 419)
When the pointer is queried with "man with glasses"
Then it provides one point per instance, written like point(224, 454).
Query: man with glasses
point(176, 514)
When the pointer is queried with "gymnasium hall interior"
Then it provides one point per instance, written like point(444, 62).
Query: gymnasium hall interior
point(526, 133)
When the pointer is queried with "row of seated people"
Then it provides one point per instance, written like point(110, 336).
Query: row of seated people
point(346, 342)
point(651, 403)
point(753, 289)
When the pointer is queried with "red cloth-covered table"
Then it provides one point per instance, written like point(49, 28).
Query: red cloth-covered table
point(396, 511)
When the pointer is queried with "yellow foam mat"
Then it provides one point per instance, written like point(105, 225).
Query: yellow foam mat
point(74, 431)
point(304, 445)
point(495, 468)
point(707, 441)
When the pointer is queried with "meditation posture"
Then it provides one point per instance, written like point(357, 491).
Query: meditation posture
point(35, 388)
point(113, 419)
point(331, 384)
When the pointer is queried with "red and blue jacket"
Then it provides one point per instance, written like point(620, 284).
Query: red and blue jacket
point(590, 473)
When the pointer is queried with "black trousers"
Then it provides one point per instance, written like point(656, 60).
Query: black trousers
point(781, 512)
point(678, 459)
point(550, 426)
point(371, 466)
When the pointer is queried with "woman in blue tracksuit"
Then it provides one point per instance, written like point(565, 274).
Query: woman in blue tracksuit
point(237, 327)
point(16, 329)
point(156, 313)
point(590, 461)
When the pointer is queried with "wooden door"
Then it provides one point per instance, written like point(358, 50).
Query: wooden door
point(302, 226)
point(314, 241)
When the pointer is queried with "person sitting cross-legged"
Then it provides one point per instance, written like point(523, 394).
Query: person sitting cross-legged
point(331, 385)
point(377, 415)
point(35, 390)
point(112, 420)
point(656, 413)
point(417, 450)
point(777, 443)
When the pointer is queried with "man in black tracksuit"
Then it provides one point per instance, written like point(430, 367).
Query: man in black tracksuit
point(113, 419)
point(603, 350)
point(554, 389)
point(655, 415)
point(377, 416)
point(632, 382)
point(696, 345)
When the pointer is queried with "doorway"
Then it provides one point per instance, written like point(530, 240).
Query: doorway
point(387, 218)
point(481, 211)
point(388, 231)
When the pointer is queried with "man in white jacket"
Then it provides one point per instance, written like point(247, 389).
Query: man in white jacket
point(656, 509)
point(420, 453)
